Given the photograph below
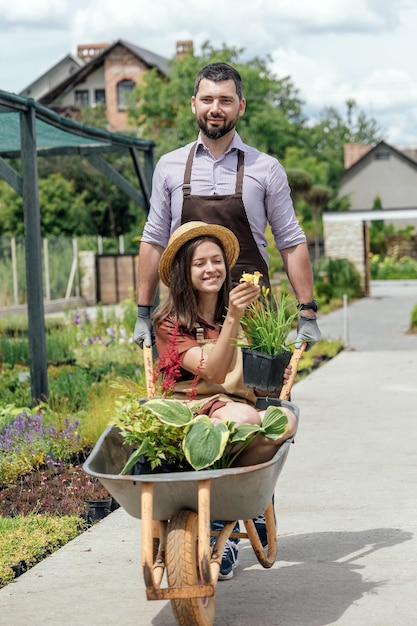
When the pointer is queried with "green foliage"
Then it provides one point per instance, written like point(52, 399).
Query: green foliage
point(26, 540)
point(63, 211)
point(325, 138)
point(266, 323)
point(392, 268)
point(166, 430)
point(413, 324)
point(158, 441)
point(335, 277)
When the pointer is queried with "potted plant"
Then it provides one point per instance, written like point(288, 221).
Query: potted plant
point(266, 325)
point(166, 435)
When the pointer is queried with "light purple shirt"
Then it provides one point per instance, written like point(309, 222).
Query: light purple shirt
point(266, 193)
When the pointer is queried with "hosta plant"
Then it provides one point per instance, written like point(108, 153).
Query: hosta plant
point(167, 430)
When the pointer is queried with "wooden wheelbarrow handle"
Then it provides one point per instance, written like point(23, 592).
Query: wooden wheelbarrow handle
point(149, 373)
point(295, 359)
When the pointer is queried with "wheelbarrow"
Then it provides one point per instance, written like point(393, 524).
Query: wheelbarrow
point(176, 509)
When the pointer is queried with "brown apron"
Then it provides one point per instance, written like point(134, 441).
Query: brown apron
point(227, 211)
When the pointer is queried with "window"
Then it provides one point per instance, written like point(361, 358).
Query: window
point(81, 98)
point(100, 96)
point(382, 156)
point(124, 89)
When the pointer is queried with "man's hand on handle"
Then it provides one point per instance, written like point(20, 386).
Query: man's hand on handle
point(308, 331)
point(143, 333)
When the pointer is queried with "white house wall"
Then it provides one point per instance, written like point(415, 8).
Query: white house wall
point(48, 81)
point(94, 81)
point(393, 180)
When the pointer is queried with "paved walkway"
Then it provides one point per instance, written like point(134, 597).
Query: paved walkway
point(346, 505)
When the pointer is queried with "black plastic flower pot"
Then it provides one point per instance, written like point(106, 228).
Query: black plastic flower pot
point(263, 371)
point(98, 509)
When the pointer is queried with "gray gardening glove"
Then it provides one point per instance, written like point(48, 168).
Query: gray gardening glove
point(143, 333)
point(308, 331)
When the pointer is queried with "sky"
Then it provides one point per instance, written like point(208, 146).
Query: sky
point(333, 50)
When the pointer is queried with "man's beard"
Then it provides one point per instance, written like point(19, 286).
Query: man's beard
point(215, 133)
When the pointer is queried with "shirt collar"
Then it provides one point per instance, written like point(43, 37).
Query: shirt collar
point(236, 144)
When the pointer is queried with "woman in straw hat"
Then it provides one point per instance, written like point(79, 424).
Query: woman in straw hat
point(197, 328)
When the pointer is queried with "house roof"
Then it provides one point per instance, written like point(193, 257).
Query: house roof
point(150, 59)
point(68, 59)
point(370, 155)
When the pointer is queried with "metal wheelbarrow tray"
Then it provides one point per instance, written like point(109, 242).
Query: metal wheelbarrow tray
point(236, 493)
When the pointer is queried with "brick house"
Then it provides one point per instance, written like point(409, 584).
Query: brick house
point(100, 74)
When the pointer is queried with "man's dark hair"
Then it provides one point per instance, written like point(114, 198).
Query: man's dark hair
point(218, 72)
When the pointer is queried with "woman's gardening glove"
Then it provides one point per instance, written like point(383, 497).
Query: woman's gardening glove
point(308, 331)
point(143, 333)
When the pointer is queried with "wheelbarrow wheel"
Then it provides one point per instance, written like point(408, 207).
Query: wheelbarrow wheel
point(183, 570)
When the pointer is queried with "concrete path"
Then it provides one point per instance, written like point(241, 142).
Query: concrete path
point(346, 506)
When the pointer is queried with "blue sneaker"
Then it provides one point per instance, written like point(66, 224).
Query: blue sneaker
point(229, 559)
point(260, 525)
point(219, 524)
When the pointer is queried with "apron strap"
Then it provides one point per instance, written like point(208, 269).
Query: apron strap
point(186, 187)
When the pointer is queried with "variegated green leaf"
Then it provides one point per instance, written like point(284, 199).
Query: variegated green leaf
point(241, 433)
point(171, 412)
point(274, 423)
point(205, 442)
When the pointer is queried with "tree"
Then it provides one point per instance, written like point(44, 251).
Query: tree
point(63, 212)
point(160, 106)
point(326, 138)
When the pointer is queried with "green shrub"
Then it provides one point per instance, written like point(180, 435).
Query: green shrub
point(26, 540)
point(414, 318)
point(335, 277)
point(392, 268)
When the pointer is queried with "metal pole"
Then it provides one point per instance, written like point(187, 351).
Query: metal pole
point(345, 320)
point(14, 271)
point(33, 250)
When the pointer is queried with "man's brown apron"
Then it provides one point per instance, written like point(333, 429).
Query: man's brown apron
point(228, 211)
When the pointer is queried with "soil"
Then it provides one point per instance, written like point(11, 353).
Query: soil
point(59, 491)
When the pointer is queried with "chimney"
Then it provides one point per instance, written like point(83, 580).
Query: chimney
point(352, 152)
point(88, 51)
point(184, 48)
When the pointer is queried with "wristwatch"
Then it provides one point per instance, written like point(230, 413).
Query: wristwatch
point(313, 306)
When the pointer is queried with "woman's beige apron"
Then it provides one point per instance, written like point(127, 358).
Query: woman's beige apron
point(232, 390)
point(228, 211)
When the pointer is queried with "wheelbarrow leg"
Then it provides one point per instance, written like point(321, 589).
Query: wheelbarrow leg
point(266, 560)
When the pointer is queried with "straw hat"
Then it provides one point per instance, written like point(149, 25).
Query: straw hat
point(191, 230)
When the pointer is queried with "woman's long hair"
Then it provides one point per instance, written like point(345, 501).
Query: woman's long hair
point(181, 303)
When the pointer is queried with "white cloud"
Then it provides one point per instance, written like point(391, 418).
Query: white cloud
point(333, 50)
point(21, 12)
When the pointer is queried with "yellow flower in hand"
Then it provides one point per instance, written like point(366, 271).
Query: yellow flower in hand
point(251, 278)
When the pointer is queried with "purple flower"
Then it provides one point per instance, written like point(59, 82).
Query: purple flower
point(111, 332)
